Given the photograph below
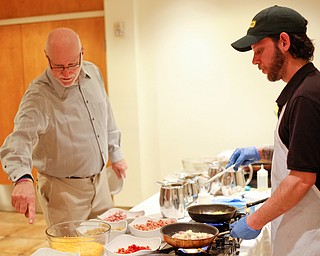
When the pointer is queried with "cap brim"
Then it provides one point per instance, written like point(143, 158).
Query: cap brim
point(244, 43)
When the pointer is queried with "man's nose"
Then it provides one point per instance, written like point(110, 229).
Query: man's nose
point(65, 71)
point(255, 60)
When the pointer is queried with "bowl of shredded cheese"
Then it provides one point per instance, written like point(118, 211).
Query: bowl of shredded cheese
point(86, 237)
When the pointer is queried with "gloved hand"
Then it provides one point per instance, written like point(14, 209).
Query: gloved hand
point(242, 230)
point(243, 156)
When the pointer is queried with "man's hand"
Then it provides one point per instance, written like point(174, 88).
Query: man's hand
point(120, 168)
point(24, 199)
point(243, 156)
point(242, 230)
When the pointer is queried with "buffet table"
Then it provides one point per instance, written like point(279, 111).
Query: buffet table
point(260, 246)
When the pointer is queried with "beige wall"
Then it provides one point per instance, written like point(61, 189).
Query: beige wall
point(177, 87)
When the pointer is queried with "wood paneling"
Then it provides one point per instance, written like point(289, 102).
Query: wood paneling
point(24, 8)
point(11, 83)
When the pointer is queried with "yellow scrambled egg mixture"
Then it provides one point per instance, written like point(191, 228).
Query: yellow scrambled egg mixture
point(82, 245)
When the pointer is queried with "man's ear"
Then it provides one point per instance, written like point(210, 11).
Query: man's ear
point(284, 41)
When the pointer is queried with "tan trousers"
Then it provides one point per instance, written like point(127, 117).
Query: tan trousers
point(64, 199)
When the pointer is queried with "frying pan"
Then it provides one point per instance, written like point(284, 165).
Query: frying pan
point(216, 213)
point(169, 230)
point(212, 213)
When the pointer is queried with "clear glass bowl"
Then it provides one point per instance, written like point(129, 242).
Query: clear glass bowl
point(87, 237)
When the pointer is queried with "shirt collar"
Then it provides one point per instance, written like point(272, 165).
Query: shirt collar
point(62, 91)
point(294, 83)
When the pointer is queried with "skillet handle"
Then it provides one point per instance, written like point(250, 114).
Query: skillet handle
point(256, 202)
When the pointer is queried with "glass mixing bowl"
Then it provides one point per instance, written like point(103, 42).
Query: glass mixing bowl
point(86, 237)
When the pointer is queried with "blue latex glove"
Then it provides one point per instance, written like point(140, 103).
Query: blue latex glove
point(242, 230)
point(243, 156)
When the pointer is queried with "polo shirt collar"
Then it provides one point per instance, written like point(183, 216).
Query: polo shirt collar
point(294, 83)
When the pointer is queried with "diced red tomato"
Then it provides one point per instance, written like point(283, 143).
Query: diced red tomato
point(132, 248)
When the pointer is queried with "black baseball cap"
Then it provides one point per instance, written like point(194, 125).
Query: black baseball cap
point(271, 21)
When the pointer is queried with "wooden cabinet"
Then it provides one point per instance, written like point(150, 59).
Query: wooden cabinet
point(22, 52)
point(11, 83)
point(27, 8)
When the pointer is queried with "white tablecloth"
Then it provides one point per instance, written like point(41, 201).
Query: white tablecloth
point(255, 247)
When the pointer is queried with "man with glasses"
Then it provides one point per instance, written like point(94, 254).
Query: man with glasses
point(66, 129)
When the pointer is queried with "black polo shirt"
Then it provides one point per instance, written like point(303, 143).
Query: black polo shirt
point(299, 129)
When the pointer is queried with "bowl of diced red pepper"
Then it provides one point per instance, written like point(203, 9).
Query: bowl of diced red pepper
point(132, 245)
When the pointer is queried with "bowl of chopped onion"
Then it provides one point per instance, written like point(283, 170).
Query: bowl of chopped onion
point(117, 228)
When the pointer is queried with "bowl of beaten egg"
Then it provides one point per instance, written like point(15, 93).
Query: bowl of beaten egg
point(85, 237)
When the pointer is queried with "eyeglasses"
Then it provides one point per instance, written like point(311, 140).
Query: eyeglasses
point(61, 68)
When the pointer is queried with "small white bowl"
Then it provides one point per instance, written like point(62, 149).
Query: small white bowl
point(115, 183)
point(124, 241)
point(148, 233)
point(131, 215)
point(117, 228)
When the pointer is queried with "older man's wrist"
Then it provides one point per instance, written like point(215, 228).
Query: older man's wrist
point(24, 178)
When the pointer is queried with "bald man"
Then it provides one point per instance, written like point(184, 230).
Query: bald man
point(66, 129)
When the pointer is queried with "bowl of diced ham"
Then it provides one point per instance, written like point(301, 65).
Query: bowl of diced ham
point(146, 226)
point(117, 214)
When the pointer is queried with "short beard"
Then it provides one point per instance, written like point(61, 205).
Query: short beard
point(277, 66)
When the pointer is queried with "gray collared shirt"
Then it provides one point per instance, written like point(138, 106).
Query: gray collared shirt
point(62, 131)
